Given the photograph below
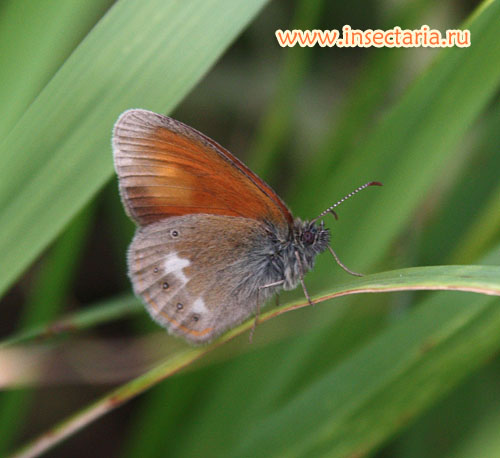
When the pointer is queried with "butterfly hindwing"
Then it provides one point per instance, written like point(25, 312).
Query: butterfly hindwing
point(193, 272)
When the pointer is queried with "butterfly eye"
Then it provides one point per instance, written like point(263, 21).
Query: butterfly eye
point(174, 233)
point(308, 237)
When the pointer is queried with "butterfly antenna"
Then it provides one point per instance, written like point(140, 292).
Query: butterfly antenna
point(330, 209)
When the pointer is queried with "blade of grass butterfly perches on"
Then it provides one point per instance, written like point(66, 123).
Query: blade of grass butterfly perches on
point(214, 241)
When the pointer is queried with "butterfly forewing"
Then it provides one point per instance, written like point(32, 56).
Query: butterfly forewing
point(192, 272)
point(166, 168)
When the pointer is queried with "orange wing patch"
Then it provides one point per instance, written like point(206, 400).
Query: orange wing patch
point(166, 168)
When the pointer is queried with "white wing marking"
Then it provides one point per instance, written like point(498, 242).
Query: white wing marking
point(199, 306)
point(174, 265)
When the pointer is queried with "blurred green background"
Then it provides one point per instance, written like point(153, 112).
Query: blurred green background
point(390, 375)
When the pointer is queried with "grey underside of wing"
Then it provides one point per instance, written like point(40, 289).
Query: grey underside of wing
point(199, 271)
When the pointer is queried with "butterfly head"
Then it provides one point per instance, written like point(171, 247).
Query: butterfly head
point(311, 238)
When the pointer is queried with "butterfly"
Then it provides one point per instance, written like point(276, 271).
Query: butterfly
point(214, 241)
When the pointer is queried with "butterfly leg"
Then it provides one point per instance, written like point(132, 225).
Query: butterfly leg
point(257, 313)
point(301, 272)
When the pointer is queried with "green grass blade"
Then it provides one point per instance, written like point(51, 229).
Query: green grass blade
point(352, 410)
point(141, 54)
point(469, 193)
point(482, 441)
point(35, 39)
point(276, 124)
point(93, 315)
point(45, 301)
point(483, 231)
point(150, 431)
point(464, 420)
point(109, 402)
point(484, 279)
point(357, 405)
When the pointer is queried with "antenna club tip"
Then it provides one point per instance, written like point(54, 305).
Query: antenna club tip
point(375, 183)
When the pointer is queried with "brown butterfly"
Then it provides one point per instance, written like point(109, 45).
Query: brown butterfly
point(214, 241)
